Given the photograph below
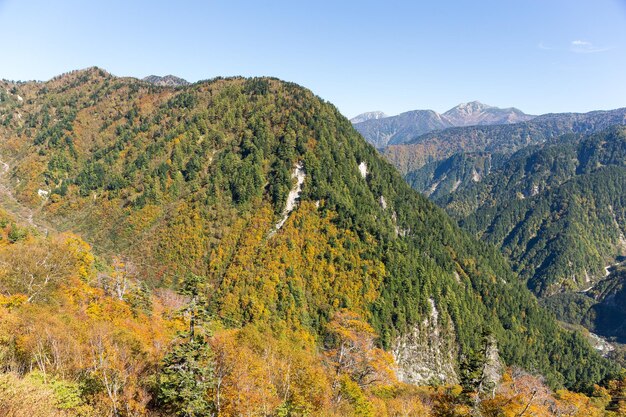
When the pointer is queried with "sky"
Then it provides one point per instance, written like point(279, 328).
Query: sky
point(540, 56)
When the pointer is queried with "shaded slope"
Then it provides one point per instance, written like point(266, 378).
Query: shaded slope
point(556, 211)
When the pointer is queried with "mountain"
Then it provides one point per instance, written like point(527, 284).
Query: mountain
point(372, 115)
point(555, 210)
point(166, 81)
point(407, 126)
point(439, 178)
point(476, 113)
point(400, 128)
point(235, 247)
point(504, 139)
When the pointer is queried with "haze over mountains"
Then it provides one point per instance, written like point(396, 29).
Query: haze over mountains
point(383, 131)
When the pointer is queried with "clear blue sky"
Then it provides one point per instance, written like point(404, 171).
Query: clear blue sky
point(538, 55)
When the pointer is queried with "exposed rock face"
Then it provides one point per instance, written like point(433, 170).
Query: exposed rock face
point(493, 368)
point(363, 169)
point(166, 81)
point(428, 353)
point(294, 193)
point(383, 202)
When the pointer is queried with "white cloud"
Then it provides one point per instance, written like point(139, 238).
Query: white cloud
point(585, 47)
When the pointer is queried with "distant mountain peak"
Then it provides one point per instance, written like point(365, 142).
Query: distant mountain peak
point(166, 81)
point(477, 113)
point(470, 107)
point(370, 115)
point(406, 126)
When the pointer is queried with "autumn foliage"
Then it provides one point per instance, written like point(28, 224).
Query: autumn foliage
point(190, 301)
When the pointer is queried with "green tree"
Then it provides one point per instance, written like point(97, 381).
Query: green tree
point(187, 370)
point(185, 378)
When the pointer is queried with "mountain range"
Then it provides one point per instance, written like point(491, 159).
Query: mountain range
point(502, 139)
point(555, 209)
point(381, 131)
point(235, 247)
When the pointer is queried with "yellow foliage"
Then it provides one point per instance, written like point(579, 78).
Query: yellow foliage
point(84, 258)
point(257, 372)
point(308, 266)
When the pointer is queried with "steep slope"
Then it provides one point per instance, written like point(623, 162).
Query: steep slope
point(407, 126)
point(400, 128)
point(505, 139)
point(601, 309)
point(556, 211)
point(198, 178)
point(440, 178)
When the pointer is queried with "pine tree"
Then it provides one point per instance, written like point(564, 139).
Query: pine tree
point(185, 378)
point(187, 371)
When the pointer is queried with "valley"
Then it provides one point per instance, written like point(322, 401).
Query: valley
point(553, 204)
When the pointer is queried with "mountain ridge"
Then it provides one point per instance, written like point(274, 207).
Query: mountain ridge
point(504, 139)
point(404, 127)
point(368, 116)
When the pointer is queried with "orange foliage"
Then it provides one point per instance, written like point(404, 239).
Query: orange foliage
point(81, 332)
point(257, 373)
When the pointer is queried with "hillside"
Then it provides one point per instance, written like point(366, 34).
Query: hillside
point(400, 128)
point(601, 309)
point(285, 234)
point(504, 139)
point(439, 178)
point(556, 211)
point(407, 126)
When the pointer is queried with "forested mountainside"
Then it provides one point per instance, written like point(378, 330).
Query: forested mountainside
point(382, 130)
point(440, 178)
point(504, 139)
point(556, 211)
point(243, 251)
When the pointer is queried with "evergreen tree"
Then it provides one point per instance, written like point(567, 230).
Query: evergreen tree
point(187, 370)
point(185, 378)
